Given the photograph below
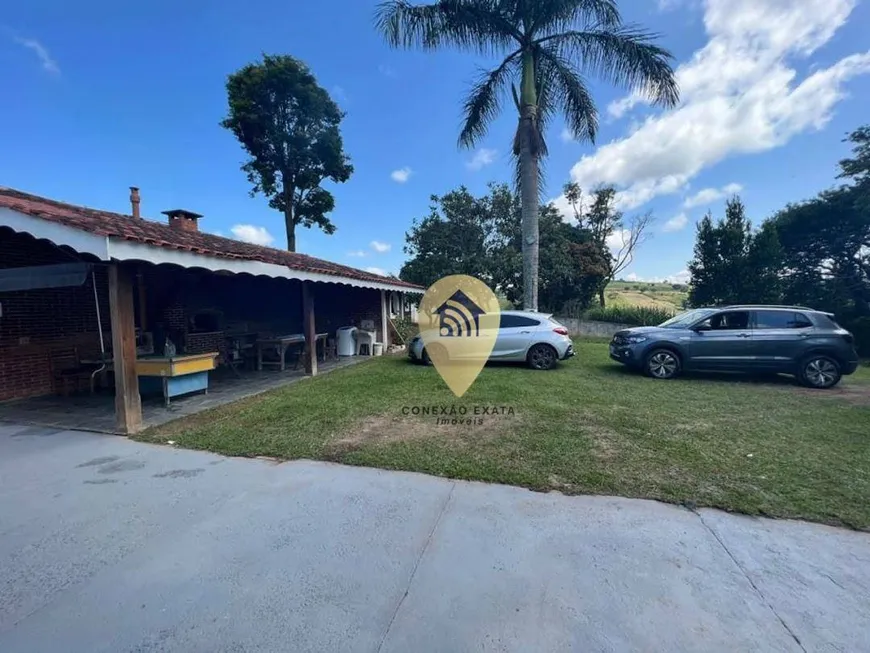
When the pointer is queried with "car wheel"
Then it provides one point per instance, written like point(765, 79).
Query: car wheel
point(820, 372)
point(542, 357)
point(424, 357)
point(662, 364)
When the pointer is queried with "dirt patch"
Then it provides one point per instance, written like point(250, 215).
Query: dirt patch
point(857, 395)
point(605, 441)
point(693, 427)
point(387, 429)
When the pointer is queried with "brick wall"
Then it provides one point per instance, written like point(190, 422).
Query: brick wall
point(35, 323)
point(201, 343)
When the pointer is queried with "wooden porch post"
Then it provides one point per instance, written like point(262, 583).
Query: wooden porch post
point(385, 323)
point(128, 405)
point(308, 328)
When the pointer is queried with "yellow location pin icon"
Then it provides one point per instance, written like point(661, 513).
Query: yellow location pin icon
point(459, 319)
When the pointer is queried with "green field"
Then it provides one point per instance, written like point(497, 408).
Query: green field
point(651, 295)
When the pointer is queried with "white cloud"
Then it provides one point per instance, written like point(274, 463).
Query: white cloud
point(482, 157)
point(401, 175)
point(387, 71)
point(252, 234)
point(740, 95)
point(49, 65)
point(375, 270)
point(683, 276)
point(677, 223)
point(566, 135)
point(710, 195)
point(380, 247)
point(618, 239)
point(357, 253)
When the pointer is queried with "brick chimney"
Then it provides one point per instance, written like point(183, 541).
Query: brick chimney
point(134, 201)
point(183, 220)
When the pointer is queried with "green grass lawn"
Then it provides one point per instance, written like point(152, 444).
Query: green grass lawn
point(590, 426)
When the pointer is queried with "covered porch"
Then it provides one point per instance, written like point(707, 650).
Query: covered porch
point(108, 310)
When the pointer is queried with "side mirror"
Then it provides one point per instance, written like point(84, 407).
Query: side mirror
point(701, 328)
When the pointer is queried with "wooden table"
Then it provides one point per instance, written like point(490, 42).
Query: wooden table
point(279, 345)
point(172, 375)
point(175, 375)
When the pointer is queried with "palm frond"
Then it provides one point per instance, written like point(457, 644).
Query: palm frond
point(560, 15)
point(625, 56)
point(566, 92)
point(476, 25)
point(484, 100)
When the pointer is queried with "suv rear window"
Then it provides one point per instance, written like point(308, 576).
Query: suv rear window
point(781, 320)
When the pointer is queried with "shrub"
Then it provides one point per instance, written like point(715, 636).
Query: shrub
point(405, 328)
point(860, 328)
point(634, 315)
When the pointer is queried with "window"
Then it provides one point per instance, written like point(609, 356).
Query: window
point(781, 320)
point(685, 319)
point(732, 321)
point(515, 321)
point(801, 321)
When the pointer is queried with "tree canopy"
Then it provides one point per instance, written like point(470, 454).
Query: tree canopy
point(289, 126)
point(814, 253)
point(482, 237)
point(733, 264)
point(603, 220)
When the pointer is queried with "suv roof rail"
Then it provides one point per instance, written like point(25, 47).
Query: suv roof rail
point(788, 306)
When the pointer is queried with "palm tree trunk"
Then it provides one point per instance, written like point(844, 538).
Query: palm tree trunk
point(529, 202)
point(528, 155)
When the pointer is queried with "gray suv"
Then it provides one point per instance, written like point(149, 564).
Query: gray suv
point(767, 339)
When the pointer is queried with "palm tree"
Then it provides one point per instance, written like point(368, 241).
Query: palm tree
point(550, 45)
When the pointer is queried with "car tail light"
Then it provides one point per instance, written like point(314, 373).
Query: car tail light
point(562, 331)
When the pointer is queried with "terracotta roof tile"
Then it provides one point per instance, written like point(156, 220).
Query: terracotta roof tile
point(117, 225)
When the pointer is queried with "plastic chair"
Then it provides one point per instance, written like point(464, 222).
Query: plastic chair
point(367, 339)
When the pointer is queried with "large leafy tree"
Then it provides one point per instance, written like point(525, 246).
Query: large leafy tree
point(289, 126)
point(455, 238)
point(603, 221)
point(548, 47)
point(482, 237)
point(734, 264)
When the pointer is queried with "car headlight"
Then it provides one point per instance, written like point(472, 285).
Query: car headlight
point(633, 340)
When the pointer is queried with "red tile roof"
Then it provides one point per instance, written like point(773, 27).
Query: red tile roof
point(117, 225)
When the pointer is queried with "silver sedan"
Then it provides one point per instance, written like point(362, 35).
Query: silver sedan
point(523, 337)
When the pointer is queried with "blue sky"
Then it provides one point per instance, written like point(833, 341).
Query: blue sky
point(101, 96)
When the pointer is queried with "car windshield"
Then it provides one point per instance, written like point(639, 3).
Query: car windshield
point(687, 318)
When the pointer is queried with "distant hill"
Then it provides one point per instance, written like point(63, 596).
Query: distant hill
point(653, 295)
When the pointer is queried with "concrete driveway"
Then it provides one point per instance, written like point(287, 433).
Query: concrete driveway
point(110, 545)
